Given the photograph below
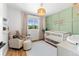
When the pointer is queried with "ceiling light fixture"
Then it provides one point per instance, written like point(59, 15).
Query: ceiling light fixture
point(41, 11)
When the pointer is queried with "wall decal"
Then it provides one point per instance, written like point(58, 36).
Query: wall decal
point(60, 22)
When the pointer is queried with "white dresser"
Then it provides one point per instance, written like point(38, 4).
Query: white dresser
point(3, 50)
point(67, 49)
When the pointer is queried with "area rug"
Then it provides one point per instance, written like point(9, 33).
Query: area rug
point(42, 48)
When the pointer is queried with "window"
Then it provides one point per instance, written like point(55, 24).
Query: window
point(32, 23)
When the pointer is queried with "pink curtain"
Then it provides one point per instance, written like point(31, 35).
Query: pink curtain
point(24, 24)
point(41, 34)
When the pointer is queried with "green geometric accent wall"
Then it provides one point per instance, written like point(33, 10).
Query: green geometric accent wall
point(66, 16)
point(55, 18)
point(75, 22)
point(65, 20)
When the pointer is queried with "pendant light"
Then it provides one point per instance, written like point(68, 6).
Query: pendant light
point(41, 11)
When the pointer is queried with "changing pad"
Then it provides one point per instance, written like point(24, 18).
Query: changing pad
point(74, 39)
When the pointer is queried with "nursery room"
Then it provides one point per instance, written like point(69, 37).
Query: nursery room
point(39, 29)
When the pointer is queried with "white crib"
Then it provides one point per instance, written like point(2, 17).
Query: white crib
point(55, 37)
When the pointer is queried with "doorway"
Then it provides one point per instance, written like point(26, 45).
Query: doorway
point(33, 27)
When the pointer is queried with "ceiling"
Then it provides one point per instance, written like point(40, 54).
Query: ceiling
point(32, 8)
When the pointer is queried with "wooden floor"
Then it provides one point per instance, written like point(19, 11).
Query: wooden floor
point(14, 52)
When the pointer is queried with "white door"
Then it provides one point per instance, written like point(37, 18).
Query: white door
point(33, 24)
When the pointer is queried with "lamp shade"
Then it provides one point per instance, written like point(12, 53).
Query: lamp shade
point(76, 5)
point(41, 11)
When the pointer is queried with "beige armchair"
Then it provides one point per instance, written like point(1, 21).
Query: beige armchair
point(15, 42)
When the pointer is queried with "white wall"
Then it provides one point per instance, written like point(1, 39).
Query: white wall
point(1, 10)
point(3, 14)
point(5, 10)
point(3, 35)
point(15, 19)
